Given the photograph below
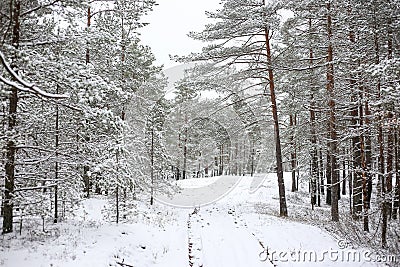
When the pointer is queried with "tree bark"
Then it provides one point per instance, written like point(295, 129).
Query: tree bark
point(381, 160)
point(87, 42)
point(117, 203)
point(332, 121)
point(293, 153)
point(390, 140)
point(368, 151)
point(315, 186)
point(389, 165)
point(12, 122)
point(221, 161)
point(314, 157)
point(185, 150)
point(10, 166)
point(344, 176)
point(321, 171)
point(363, 175)
point(278, 151)
point(152, 166)
point(328, 176)
point(56, 164)
point(396, 173)
point(360, 143)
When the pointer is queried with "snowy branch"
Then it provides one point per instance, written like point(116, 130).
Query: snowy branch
point(23, 85)
point(34, 188)
point(2, 14)
point(57, 41)
point(39, 7)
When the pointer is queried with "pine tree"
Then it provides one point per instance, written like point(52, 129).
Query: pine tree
point(253, 22)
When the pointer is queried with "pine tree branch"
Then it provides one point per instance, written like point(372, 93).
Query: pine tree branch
point(38, 8)
point(22, 84)
point(34, 188)
point(2, 14)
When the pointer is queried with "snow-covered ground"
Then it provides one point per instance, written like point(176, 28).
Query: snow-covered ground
point(229, 232)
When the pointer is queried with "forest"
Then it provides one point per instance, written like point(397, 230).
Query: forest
point(306, 87)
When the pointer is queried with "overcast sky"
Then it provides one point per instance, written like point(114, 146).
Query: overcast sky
point(170, 22)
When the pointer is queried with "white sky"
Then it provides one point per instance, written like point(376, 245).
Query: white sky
point(170, 22)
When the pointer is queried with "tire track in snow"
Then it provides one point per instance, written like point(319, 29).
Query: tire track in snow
point(215, 240)
point(236, 217)
point(225, 242)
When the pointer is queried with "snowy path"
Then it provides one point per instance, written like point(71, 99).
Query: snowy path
point(223, 242)
point(204, 193)
point(227, 232)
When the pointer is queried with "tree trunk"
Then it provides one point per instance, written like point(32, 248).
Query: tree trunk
point(10, 166)
point(332, 122)
point(56, 164)
point(368, 151)
point(314, 157)
point(87, 42)
point(357, 142)
point(381, 160)
point(328, 177)
point(117, 203)
point(86, 181)
point(293, 153)
point(278, 151)
point(390, 140)
point(315, 187)
point(363, 175)
point(12, 122)
point(236, 157)
point(321, 171)
point(221, 160)
point(351, 174)
point(397, 174)
point(152, 167)
point(389, 166)
point(344, 176)
point(356, 148)
point(184, 174)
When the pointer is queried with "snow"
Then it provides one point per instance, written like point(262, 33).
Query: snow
point(201, 193)
point(228, 232)
point(196, 183)
point(223, 242)
point(92, 209)
point(88, 241)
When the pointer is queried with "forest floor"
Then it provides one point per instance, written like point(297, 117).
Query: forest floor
point(239, 229)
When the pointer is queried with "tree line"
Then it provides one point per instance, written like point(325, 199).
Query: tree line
point(70, 71)
point(330, 71)
point(82, 98)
